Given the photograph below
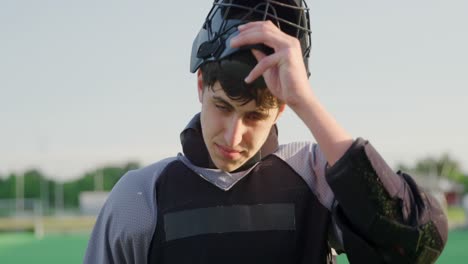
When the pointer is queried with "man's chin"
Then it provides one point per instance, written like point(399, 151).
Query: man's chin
point(228, 166)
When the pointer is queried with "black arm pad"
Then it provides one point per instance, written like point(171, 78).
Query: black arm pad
point(385, 209)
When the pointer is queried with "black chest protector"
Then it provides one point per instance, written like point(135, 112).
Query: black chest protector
point(270, 216)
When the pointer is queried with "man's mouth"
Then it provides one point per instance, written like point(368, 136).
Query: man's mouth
point(228, 152)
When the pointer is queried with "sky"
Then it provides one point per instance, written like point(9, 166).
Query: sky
point(88, 83)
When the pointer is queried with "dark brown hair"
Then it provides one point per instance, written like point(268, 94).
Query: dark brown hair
point(231, 72)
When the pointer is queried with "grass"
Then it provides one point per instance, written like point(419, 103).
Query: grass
point(19, 248)
point(55, 224)
point(456, 216)
point(455, 251)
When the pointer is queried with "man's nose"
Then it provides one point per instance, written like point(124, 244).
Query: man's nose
point(234, 131)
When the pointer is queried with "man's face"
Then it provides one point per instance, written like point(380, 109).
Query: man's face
point(233, 133)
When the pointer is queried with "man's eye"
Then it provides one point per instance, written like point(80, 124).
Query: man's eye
point(222, 107)
point(255, 116)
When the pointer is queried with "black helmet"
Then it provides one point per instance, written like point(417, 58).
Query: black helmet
point(212, 42)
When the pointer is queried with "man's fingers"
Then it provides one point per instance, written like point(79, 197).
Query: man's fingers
point(260, 33)
point(255, 24)
point(259, 55)
point(263, 65)
point(252, 37)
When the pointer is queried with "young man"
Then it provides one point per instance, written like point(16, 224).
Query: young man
point(235, 195)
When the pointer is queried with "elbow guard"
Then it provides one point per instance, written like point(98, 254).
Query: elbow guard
point(383, 215)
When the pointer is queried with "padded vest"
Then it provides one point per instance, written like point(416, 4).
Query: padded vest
point(270, 216)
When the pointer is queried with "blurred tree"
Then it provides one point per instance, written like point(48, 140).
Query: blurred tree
point(32, 184)
point(110, 175)
point(443, 166)
point(38, 186)
point(7, 187)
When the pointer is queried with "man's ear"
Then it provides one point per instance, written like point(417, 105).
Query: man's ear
point(280, 111)
point(200, 85)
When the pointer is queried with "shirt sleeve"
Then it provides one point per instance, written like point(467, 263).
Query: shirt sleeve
point(382, 215)
point(124, 228)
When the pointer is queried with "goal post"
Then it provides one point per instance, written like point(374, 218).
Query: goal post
point(22, 215)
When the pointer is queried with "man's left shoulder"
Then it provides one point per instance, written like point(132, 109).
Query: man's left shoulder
point(292, 149)
point(307, 160)
point(301, 153)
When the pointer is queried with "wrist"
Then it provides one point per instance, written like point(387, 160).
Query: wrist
point(304, 102)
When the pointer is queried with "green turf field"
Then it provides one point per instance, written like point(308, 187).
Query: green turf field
point(53, 249)
point(456, 250)
point(69, 249)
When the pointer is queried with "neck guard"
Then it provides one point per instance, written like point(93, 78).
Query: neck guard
point(195, 150)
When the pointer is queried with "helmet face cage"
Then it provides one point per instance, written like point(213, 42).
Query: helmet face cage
point(212, 42)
